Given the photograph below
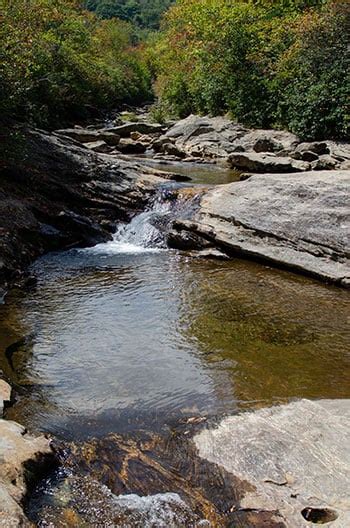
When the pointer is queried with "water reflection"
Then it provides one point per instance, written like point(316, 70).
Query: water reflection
point(118, 339)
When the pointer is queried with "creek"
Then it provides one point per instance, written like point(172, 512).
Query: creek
point(129, 342)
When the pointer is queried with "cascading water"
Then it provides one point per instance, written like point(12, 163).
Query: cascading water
point(145, 232)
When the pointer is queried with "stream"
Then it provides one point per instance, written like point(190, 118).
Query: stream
point(123, 350)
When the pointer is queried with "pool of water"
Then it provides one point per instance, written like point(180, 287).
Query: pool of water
point(121, 333)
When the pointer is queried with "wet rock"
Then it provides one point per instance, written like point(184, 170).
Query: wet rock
point(157, 465)
point(89, 136)
point(186, 240)
point(288, 220)
point(266, 163)
point(296, 456)
point(85, 502)
point(22, 456)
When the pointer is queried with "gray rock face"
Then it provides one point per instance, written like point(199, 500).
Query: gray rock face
point(296, 456)
point(299, 221)
point(266, 163)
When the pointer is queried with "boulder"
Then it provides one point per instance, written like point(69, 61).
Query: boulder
point(128, 146)
point(325, 162)
point(319, 148)
point(255, 162)
point(296, 221)
point(84, 135)
point(99, 146)
point(295, 457)
point(218, 137)
point(267, 141)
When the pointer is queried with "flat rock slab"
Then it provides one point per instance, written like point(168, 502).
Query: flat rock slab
point(296, 456)
point(298, 221)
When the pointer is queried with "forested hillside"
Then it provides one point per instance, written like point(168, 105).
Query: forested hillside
point(280, 63)
point(142, 13)
point(268, 63)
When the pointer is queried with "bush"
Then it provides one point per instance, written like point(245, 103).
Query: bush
point(279, 63)
point(60, 62)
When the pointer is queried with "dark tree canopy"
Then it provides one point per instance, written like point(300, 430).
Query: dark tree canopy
point(143, 13)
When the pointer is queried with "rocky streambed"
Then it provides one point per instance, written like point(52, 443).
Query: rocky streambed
point(131, 356)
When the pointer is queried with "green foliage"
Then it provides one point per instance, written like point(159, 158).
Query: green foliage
point(58, 61)
point(269, 63)
point(142, 13)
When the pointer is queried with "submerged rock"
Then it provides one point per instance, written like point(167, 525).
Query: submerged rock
point(296, 456)
point(296, 221)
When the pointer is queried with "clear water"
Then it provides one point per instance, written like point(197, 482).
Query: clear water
point(129, 331)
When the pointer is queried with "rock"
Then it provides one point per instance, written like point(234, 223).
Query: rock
point(325, 163)
point(266, 163)
point(23, 458)
point(89, 136)
point(289, 220)
point(295, 456)
point(341, 152)
point(186, 241)
point(218, 137)
point(172, 150)
point(128, 146)
point(124, 131)
point(319, 148)
point(211, 253)
point(267, 141)
point(5, 395)
point(99, 146)
point(309, 156)
point(59, 194)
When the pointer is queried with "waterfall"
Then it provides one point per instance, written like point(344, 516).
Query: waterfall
point(145, 232)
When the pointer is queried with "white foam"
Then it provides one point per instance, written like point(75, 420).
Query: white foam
point(141, 235)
